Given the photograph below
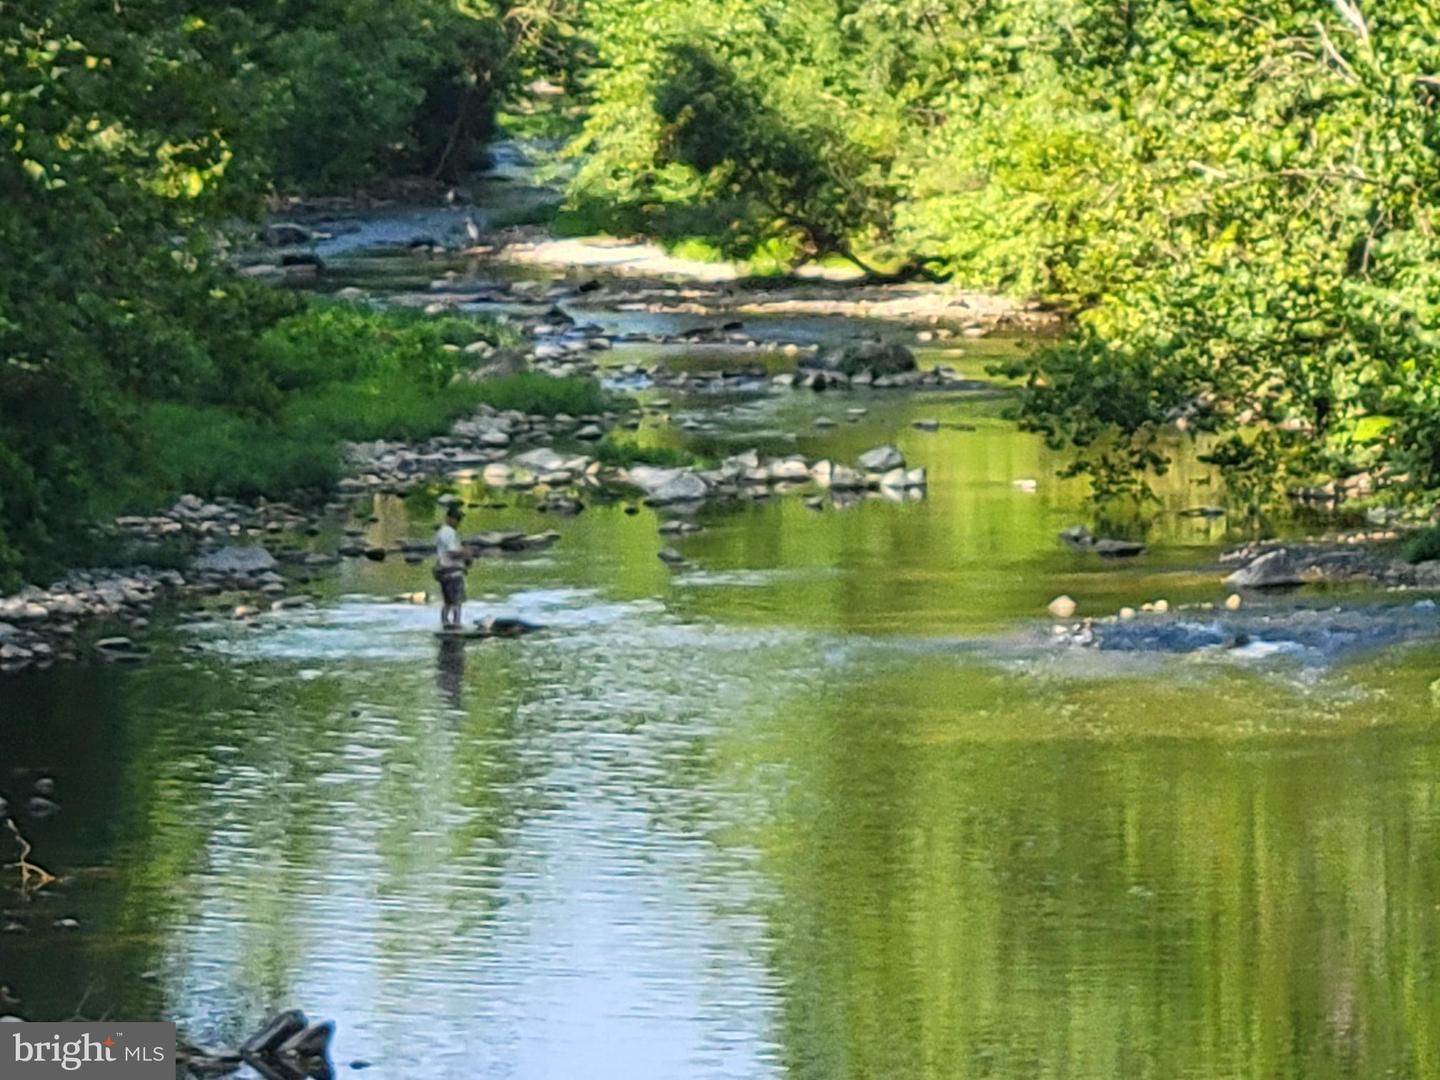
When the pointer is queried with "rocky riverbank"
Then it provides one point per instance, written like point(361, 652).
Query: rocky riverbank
point(249, 554)
point(1365, 558)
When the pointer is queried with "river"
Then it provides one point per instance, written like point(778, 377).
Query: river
point(824, 803)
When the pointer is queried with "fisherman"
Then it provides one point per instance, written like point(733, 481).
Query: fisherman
point(451, 563)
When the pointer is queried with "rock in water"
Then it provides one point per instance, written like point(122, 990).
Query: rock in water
point(276, 1031)
point(501, 626)
point(1062, 607)
point(662, 486)
point(882, 459)
point(1233, 602)
point(670, 556)
point(1118, 549)
point(1273, 570)
point(287, 234)
point(236, 560)
point(865, 355)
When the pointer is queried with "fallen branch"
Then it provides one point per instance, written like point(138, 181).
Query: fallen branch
point(32, 877)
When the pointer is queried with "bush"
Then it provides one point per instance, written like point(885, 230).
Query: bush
point(544, 395)
point(333, 342)
point(1423, 546)
point(333, 373)
point(208, 451)
point(622, 453)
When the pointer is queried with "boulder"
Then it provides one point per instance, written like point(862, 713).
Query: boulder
point(541, 460)
point(882, 459)
point(236, 560)
point(1062, 607)
point(791, 469)
point(1273, 570)
point(877, 357)
point(662, 486)
point(840, 477)
point(537, 541)
point(494, 539)
point(287, 234)
point(1118, 549)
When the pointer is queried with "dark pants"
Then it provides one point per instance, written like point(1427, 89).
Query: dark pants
point(452, 587)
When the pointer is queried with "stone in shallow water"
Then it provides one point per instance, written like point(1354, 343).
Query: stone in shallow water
point(1118, 549)
point(882, 459)
point(236, 560)
point(663, 486)
point(1273, 570)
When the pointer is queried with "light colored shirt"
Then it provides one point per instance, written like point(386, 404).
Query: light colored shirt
point(448, 552)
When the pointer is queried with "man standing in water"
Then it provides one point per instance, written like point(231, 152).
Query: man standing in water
point(451, 562)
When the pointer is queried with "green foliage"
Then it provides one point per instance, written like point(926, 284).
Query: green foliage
point(1234, 200)
point(1422, 546)
point(543, 395)
point(114, 162)
point(330, 374)
point(353, 89)
point(211, 451)
point(619, 452)
point(131, 137)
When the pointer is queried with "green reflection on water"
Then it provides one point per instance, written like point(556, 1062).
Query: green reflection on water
point(802, 808)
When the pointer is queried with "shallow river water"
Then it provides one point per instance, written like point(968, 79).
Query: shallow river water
point(826, 802)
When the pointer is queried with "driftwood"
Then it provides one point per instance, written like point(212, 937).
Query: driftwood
point(32, 876)
point(286, 1047)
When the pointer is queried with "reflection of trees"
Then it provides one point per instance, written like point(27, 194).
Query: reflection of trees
point(1070, 907)
point(249, 820)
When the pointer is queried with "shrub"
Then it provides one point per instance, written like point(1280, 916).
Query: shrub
point(544, 395)
point(622, 453)
point(1422, 546)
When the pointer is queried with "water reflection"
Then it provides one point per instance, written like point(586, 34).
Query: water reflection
point(450, 671)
